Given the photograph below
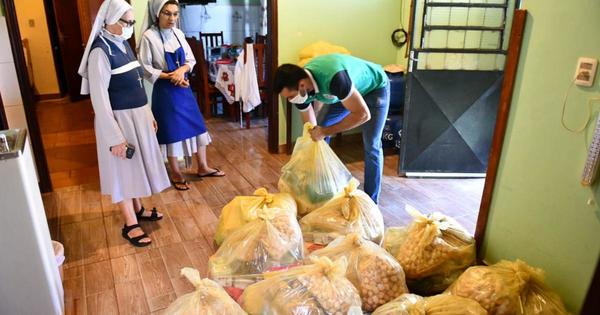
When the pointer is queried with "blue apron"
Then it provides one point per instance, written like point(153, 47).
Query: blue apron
point(175, 108)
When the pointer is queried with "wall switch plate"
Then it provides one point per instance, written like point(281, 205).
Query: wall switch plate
point(586, 71)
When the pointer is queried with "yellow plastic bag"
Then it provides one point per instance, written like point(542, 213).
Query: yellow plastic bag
point(273, 240)
point(433, 251)
point(317, 49)
point(320, 288)
point(208, 299)
point(314, 173)
point(509, 288)
point(352, 211)
point(377, 275)
point(242, 209)
point(442, 304)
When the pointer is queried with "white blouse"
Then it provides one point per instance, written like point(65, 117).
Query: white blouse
point(152, 51)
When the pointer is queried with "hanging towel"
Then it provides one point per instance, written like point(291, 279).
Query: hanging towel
point(246, 81)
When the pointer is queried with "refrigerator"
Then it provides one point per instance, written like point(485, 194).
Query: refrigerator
point(29, 278)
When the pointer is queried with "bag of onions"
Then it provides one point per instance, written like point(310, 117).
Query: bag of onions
point(442, 304)
point(208, 299)
point(508, 288)
point(433, 251)
point(377, 275)
point(242, 209)
point(353, 211)
point(314, 173)
point(273, 239)
point(320, 288)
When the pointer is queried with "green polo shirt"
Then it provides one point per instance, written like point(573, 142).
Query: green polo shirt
point(336, 75)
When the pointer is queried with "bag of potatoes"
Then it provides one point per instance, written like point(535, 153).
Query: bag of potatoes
point(442, 304)
point(242, 209)
point(314, 173)
point(272, 240)
point(433, 251)
point(377, 275)
point(320, 288)
point(208, 299)
point(508, 288)
point(353, 211)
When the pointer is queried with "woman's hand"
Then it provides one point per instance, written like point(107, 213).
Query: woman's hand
point(119, 150)
point(154, 125)
point(184, 84)
point(178, 75)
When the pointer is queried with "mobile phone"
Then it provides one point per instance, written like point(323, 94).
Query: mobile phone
point(128, 152)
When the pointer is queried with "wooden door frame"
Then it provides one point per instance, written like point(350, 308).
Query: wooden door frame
point(55, 45)
point(273, 62)
point(591, 304)
point(510, 73)
point(3, 120)
point(27, 96)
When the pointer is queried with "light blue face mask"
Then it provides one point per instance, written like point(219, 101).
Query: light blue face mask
point(126, 33)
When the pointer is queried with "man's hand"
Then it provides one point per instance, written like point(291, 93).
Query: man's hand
point(317, 133)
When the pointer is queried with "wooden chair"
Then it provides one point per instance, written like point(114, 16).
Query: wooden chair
point(260, 39)
point(205, 90)
point(210, 40)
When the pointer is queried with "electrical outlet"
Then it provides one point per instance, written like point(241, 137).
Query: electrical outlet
point(586, 71)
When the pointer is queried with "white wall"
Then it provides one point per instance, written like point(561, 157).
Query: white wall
point(9, 84)
point(236, 21)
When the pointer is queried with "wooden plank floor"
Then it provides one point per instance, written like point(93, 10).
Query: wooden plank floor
point(105, 275)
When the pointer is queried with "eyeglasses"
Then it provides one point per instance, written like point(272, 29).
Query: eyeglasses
point(169, 14)
point(127, 23)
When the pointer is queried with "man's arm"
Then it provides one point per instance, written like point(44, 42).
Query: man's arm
point(359, 114)
point(308, 115)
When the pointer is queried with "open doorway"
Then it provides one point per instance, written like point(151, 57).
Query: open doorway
point(454, 81)
point(222, 30)
point(62, 126)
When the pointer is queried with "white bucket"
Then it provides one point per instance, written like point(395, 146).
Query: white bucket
point(59, 254)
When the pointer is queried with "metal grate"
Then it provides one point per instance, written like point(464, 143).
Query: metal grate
point(467, 34)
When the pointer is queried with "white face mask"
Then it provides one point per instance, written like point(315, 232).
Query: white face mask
point(299, 99)
point(127, 32)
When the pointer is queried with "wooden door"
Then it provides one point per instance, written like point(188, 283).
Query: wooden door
point(70, 44)
point(453, 87)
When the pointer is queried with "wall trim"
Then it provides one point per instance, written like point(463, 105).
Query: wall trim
point(45, 97)
point(510, 73)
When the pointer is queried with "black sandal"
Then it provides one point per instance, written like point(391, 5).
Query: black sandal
point(153, 217)
point(135, 241)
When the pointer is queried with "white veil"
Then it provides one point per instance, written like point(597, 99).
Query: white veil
point(109, 13)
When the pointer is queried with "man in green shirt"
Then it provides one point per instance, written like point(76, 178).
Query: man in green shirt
point(355, 93)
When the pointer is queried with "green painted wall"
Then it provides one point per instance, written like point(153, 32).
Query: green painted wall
point(363, 27)
point(540, 212)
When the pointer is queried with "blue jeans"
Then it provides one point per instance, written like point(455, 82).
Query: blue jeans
point(378, 102)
